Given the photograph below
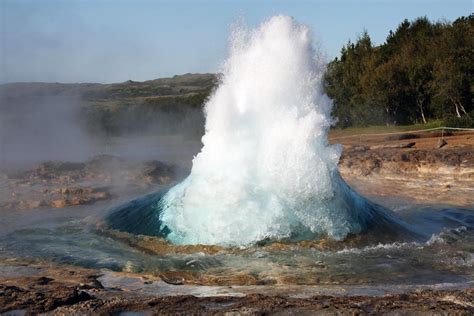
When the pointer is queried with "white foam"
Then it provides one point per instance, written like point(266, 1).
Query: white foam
point(266, 169)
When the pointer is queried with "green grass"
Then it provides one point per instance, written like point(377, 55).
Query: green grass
point(338, 132)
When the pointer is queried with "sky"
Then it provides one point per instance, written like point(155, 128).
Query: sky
point(116, 40)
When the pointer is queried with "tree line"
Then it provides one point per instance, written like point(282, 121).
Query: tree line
point(423, 72)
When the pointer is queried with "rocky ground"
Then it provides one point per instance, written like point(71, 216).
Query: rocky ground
point(414, 168)
point(57, 184)
point(71, 290)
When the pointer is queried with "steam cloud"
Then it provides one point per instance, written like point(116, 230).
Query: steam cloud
point(41, 128)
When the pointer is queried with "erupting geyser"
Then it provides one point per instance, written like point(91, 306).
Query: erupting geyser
point(266, 170)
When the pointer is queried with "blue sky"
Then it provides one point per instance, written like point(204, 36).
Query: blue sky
point(117, 40)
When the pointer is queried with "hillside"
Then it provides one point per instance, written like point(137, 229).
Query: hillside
point(112, 109)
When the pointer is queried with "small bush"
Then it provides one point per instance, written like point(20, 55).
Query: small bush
point(461, 122)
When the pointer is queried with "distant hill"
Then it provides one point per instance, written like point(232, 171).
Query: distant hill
point(165, 104)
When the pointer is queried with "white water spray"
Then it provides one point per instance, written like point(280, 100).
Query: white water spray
point(266, 169)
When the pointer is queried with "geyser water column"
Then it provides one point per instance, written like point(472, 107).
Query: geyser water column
point(266, 169)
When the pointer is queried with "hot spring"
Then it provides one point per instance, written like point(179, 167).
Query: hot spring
point(266, 170)
point(264, 202)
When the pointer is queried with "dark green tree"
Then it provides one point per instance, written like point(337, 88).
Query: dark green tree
point(423, 71)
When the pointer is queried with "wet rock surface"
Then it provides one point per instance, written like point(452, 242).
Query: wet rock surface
point(57, 184)
point(424, 303)
point(47, 289)
point(72, 290)
point(36, 300)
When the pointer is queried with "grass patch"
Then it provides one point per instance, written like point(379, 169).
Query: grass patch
point(378, 129)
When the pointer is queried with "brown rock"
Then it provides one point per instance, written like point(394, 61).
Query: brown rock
point(58, 203)
point(36, 204)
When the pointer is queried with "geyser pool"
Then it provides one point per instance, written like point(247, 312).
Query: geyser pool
point(266, 169)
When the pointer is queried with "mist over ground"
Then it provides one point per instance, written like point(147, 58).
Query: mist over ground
point(73, 122)
point(41, 125)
